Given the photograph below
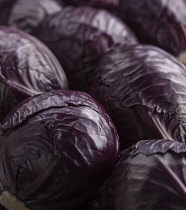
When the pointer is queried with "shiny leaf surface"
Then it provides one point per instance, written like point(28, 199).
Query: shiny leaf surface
point(158, 22)
point(79, 37)
point(144, 90)
point(57, 149)
point(149, 175)
point(27, 68)
point(27, 14)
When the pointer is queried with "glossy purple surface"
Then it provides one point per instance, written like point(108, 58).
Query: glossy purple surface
point(158, 22)
point(27, 14)
point(149, 175)
point(28, 68)
point(79, 37)
point(57, 149)
point(144, 90)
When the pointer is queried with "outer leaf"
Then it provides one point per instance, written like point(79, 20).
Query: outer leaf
point(144, 89)
point(27, 14)
point(57, 149)
point(27, 68)
point(148, 176)
point(158, 22)
point(79, 37)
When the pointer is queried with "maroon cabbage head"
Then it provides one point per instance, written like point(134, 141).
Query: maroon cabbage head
point(57, 148)
point(149, 175)
point(27, 68)
point(27, 14)
point(144, 90)
point(79, 37)
point(158, 22)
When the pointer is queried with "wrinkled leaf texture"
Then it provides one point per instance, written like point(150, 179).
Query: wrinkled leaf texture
point(57, 149)
point(157, 22)
point(149, 175)
point(27, 68)
point(27, 14)
point(79, 37)
point(144, 90)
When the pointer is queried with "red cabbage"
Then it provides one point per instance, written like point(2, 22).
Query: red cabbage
point(158, 22)
point(57, 149)
point(144, 90)
point(149, 175)
point(27, 14)
point(79, 37)
point(27, 67)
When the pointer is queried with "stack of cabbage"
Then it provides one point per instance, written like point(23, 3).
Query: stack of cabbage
point(61, 149)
